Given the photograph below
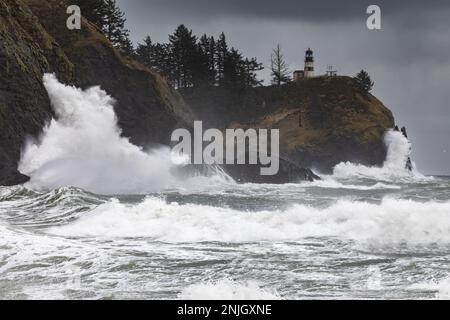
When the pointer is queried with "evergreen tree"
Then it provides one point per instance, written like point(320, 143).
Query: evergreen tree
point(184, 51)
point(156, 57)
point(115, 27)
point(232, 69)
point(144, 52)
point(163, 61)
point(221, 55)
point(107, 16)
point(240, 72)
point(93, 10)
point(251, 67)
point(187, 62)
point(279, 67)
point(364, 82)
point(207, 52)
point(127, 47)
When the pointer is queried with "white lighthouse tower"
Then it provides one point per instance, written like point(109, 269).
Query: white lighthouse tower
point(309, 64)
point(308, 71)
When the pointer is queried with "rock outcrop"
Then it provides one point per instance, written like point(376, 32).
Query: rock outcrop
point(409, 164)
point(34, 40)
point(323, 121)
point(288, 172)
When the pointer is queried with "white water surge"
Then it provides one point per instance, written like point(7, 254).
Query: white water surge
point(391, 222)
point(393, 169)
point(226, 289)
point(83, 147)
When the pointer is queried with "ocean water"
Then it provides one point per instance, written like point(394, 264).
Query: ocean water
point(103, 219)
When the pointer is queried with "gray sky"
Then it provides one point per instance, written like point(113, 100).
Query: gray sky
point(409, 59)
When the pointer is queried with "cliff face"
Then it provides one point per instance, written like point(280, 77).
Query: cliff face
point(323, 121)
point(34, 40)
point(24, 105)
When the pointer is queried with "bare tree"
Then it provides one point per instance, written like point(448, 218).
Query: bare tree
point(279, 67)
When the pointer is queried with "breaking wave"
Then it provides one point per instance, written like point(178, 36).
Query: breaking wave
point(330, 183)
point(390, 222)
point(441, 288)
point(84, 148)
point(227, 290)
point(394, 167)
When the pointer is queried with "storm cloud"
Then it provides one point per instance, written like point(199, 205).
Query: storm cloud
point(307, 10)
point(409, 59)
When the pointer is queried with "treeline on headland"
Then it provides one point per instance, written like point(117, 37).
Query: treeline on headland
point(186, 60)
point(189, 61)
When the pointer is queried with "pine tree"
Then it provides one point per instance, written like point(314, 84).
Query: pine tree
point(93, 10)
point(184, 52)
point(107, 16)
point(251, 67)
point(279, 67)
point(115, 26)
point(188, 62)
point(207, 53)
point(364, 82)
point(163, 61)
point(156, 57)
point(240, 72)
point(144, 52)
point(221, 55)
point(127, 47)
point(232, 69)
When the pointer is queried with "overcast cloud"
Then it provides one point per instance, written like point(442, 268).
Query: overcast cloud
point(409, 59)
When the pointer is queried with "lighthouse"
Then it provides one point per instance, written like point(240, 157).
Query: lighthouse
point(309, 64)
point(308, 71)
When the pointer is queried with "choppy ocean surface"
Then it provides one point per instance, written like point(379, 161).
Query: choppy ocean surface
point(331, 239)
point(103, 219)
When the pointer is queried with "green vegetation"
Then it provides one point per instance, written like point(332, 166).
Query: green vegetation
point(364, 82)
point(107, 16)
point(187, 61)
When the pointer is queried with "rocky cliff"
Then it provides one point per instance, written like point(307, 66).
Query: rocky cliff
point(323, 121)
point(34, 40)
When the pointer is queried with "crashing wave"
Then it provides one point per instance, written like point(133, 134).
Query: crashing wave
point(83, 147)
point(227, 290)
point(392, 221)
point(394, 167)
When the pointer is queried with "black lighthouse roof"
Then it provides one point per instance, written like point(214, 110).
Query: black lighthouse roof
point(309, 55)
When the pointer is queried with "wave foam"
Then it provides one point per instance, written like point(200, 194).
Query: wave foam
point(394, 167)
point(440, 288)
point(83, 148)
point(389, 222)
point(443, 289)
point(330, 183)
point(227, 290)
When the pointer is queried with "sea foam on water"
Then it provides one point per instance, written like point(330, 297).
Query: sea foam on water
point(393, 221)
